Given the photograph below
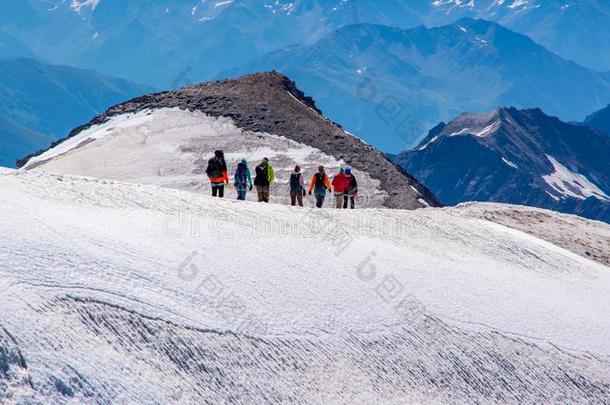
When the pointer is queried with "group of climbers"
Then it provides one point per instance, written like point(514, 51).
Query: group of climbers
point(218, 173)
point(344, 184)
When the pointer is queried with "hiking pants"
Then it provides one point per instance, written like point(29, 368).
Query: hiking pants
point(241, 194)
point(338, 200)
point(320, 201)
point(263, 193)
point(351, 199)
point(218, 190)
point(296, 196)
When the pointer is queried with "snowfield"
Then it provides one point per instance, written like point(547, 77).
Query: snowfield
point(170, 147)
point(123, 293)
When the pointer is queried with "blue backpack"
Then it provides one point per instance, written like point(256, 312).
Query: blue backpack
point(241, 175)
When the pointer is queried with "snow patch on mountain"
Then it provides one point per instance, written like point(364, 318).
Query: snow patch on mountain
point(453, 3)
point(568, 183)
point(480, 132)
point(170, 147)
point(424, 146)
point(79, 5)
point(508, 162)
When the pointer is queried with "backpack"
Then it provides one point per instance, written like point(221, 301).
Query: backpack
point(352, 184)
point(241, 175)
point(320, 182)
point(262, 176)
point(295, 182)
point(214, 169)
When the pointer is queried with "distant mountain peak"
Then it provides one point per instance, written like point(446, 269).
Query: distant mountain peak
point(486, 124)
point(600, 120)
point(259, 106)
point(518, 156)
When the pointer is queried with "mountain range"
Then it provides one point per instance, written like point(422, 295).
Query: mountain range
point(185, 40)
point(551, 23)
point(40, 103)
point(198, 39)
point(516, 156)
point(419, 76)
point(361, 60)
point(390, 85)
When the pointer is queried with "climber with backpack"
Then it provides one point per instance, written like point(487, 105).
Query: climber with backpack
point(242, 180)
point(320, 184)
point(351, 189)
point(297, 187)
point(263, 180)
point(339, 184)
point(218, 174)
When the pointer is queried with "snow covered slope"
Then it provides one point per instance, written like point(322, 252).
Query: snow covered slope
point(125, 293)
point(171, 148)
point(587, 238)
point(167, 138)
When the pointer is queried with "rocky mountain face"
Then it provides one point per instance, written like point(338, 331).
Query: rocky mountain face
point(516, 156)
point(260, 106)
point(600, 120)
point(391, 85)
point(40, 103)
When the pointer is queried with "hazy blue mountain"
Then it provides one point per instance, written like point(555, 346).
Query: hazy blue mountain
point(518, 157)
point(40, 102)
point(600, 120)
point(11, 47)
point(17, 141)
point(577, 30)
point(192, 40)
point(389, 85)
point(185, 40)
point(20, 13)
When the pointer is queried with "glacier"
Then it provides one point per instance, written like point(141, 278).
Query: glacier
point(114, 292)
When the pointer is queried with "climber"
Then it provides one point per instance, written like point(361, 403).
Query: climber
point(218, 174)
point(351, 189)
point(263, 180)
point(320, 185)
point(339, 184)
point(297, 187)
point(242, 180)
